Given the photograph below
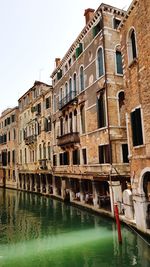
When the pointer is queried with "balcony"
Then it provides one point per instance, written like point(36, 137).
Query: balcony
point(30, 139)
point(67, 99)
point(43, 164)
point(68, 139)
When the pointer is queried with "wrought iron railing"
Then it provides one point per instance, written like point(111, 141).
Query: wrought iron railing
point(68, 98)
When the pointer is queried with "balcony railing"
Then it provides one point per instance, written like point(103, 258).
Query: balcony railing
point(68, 139)
point(30, 139)
point(67, 99)
point(43, 164)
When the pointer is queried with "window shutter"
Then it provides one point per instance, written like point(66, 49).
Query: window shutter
point(79, 50)
point(100, 62)
point(133, 44)
point(139, 127)
point(119, 62)
point(133, 126)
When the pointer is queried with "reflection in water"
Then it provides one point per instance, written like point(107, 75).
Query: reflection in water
point(38, 231)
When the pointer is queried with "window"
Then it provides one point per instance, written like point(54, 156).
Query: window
point(75, 121)
point(54, 103)
point(70, 122)
point(116, 23)
point(75, 83)
point(82, 114)
point(39, 128)
point(84, 156)
point(125, 153)
point(59, 74)
point(79, 50)
point(61, 158)
point(61, 127)
point(13, 156)
point(25, 155)
point(47, 124)
point(4, 158)
point(14, 176)
point(104, 154)
point(119, 62)
point(81, 79)
point(101, 109)
point(96, 29)
point(100, 68)
point(132, 50)
point(76, 157)
point(9, 136)
point(40, 151)
point(44, 151)
point(8, 120)
point(121, 104)
point(38, 108)
point(70, 86)
point(136, 125)
point(54, 160)
point(14, 134)
point(13, 118)
point(49, 151)
point(48, 102)
point(64, 158)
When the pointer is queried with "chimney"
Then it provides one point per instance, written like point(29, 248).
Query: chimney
point(57, 62)
point(88, 13)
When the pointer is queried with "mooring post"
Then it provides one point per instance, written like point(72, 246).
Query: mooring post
point(118, 222)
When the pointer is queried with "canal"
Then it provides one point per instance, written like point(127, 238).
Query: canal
point(38, 231)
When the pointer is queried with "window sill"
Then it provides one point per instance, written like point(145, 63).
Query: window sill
point(133, 62)
point(119, 74)
point(139, 146)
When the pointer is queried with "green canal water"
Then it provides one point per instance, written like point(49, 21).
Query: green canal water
point(38, 231)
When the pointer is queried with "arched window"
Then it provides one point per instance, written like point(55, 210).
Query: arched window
point(75, 83)
point(14, 134)
point(81, 79)
point(132, 49)
point(100, 63)
point(40, 152)
point(121, 108)
point(25, 155)
point(146, 184)
point(119, 69)
point(66, 92)
point(44, 151)
point(70, 85)
point(70, 122)
point(75, 121)
point(61, 94)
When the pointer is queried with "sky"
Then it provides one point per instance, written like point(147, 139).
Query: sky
point(32, 34)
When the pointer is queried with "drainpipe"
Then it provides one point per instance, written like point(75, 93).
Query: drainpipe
point(107, 113)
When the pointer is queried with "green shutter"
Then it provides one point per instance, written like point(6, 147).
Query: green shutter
point(119, 62)
point(79, 50)
point(59, 74)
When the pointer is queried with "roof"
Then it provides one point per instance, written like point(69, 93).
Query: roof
point(97, 13)
point(131, 7)
point(35, 84)
point(7, 111)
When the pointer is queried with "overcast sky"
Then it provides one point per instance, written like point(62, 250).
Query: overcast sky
point(32, 34)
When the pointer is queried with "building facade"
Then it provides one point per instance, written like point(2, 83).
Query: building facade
point(136, 61)
point(35, 144)
point(8, 148)
point(90, 152)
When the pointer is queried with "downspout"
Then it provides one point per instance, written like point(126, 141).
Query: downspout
point(107, 113)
